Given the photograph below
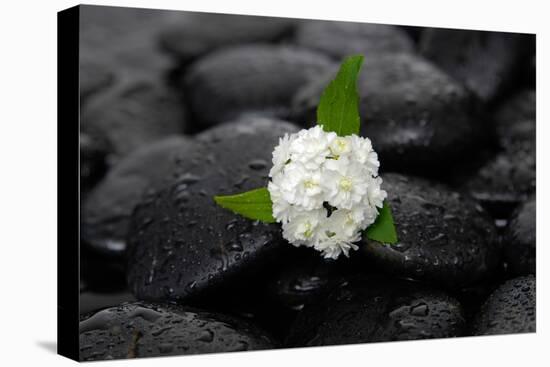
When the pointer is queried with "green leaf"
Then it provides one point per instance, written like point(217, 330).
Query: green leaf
point(383, 229)
point(338, 109)
point(255, 204)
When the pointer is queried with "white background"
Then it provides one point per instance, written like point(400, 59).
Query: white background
point(28, 182)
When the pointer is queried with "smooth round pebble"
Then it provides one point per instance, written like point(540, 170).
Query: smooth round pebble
point(418, 118)
point(252, 79)
point(306, 277)
point(135, 330)
point(135, 114)
point(520, 241)
point(199, 33)
point(342, 39)
point(486, 62)
point(181, 243)
point(510, 309)
point(108, 207)
point(444, 237)
point(125, 40)
point(506, 180)
point(377, 309)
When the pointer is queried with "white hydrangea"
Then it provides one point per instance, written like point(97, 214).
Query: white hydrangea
point(325, 189)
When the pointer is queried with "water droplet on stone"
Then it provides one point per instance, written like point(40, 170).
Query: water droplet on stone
point(206, 336)
point(257, 164)
point(420, 309)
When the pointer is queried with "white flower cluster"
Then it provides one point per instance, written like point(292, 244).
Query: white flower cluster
point(325, 189)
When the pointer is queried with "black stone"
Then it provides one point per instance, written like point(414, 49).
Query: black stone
point(180, 242)
point(506, 180)
point(520, 241)
point(106, 212)
point(417, 117)
point(253, 79)
point(444, 237)
point(486, 62)
point(516, 119)
point(510, 309)
point(508, 177)
point(377, 309)
point(199, 33)
point(125, 40)
point(136, 330)
point(342, 39)
point(306, 277)
point(135, 114)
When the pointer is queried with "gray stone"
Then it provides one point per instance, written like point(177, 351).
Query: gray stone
point(135, 330)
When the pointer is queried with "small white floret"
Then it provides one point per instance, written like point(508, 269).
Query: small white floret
point(325, 189)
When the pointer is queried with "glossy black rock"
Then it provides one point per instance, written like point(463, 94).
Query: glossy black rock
point(180, 241)
point(342, 39)
point(417, 117)
point(135, 114)
point(444, 237)
point(520, 241)
point(486, 62)
point(510, 309)
point(90, 301)
point(199, 33)
point(377, 309)
point(306, 277)
point(107, 210)
point(506, 180)
point(138, 329)
point(253, 79)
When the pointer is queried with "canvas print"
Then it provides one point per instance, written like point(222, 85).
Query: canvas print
point(251, 183)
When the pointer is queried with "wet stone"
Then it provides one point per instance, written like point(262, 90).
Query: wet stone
point(486, 62)
point(199, 33)
point(135, 330)
point(506, 180)
point(508, 177)
point(135, 114)
point(418, 118)
point(444, 237)
point(107, 210)
point(90, 301)
point(180, 242)
point(520, 240)
point(375, 309)
point(510, 309)
point(342, 39)
point(252, 79)
point(307, 277)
